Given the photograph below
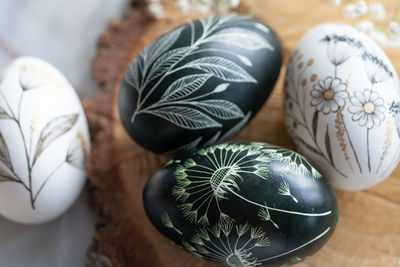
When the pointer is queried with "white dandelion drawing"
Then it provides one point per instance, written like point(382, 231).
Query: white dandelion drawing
point(203, 185)
point(295, 161)
point(235, 245)
point(207, 184)
point(166, 221)
point(215, 243)
point(284, 190)
point(264, 215)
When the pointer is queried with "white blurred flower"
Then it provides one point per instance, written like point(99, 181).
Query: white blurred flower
point(336, 2)
point(361, 8)
point(377, 11)
point(365, 26)
point(235, 3)
point(349, 11)
point(394, 30)
point(380, 37)
point(156, 9)
point(183, 6)
point(204, 6)
point(355, 10)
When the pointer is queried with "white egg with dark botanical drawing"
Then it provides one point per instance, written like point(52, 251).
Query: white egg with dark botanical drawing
point(44, 142)
point(341, 94)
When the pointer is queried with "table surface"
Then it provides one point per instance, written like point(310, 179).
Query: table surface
point(63, 33)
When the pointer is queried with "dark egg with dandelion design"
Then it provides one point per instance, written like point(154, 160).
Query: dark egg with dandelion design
point(243, 204)
point(200, 83)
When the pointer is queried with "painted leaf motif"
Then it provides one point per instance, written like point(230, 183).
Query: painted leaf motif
point(245, 60)
point(222, 68)
point(209, 22)
point(246, 21)
point(308, 146)
point(315, 123)
point(328, 144)
point(235, 19)
point(222, 109)
point(184, 87)
point(167, 61)
point(4, 153)
point(185, 117)
point(220, 88)
point(241, 38)
point(76, 154)
point(262, 27)
point(132, 75)
point(159, 46)
point(53, 130)
point(3, 114)
point(6, 177)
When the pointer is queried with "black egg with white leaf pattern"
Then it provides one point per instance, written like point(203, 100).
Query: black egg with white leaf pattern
point(199, 83)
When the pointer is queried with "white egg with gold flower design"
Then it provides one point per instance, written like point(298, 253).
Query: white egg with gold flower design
point(341, 94)
point(44, 142)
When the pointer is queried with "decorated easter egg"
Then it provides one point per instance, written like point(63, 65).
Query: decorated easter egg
point(44, 142)
point(243, 204)
point(199, 83)
point(339, 88)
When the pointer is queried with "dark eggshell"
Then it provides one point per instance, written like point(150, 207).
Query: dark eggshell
point(200, 83)
point(243, 204)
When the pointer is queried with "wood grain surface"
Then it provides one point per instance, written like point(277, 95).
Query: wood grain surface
point(368, 231)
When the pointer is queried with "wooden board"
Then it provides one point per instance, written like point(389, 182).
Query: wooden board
point(368, 232)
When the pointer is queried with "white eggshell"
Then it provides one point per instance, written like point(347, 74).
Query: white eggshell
point(44, 142)
point(338, 90)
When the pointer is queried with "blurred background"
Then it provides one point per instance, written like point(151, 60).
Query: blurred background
point(64, 33)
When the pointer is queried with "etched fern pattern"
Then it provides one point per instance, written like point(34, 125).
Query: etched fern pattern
point(183, 103)
point(52, 131)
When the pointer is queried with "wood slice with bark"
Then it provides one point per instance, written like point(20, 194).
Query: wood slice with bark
point(369, 225)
